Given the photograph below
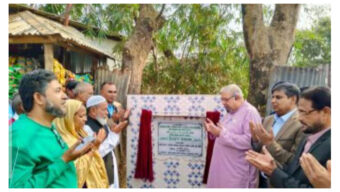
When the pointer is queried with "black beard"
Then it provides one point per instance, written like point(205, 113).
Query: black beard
point(54, 111)
point(314, 128)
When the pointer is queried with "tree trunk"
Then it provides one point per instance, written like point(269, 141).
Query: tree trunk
point(139, 45)
point(267, 46)
point(135, 54)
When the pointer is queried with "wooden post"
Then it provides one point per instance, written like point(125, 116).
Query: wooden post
point(48, 56)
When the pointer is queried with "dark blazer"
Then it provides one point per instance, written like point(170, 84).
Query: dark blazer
point(292, 175)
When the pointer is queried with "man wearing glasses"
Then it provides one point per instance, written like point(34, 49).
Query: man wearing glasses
point(314, 110)
point(39, 158)
point(228, 168)
point(281, 132)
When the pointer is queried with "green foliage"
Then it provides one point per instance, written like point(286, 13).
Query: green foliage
point(205, 40)
point(57, 9)
point(312, 47)
point(209, 54)
point(107, 18)
point(268, 13)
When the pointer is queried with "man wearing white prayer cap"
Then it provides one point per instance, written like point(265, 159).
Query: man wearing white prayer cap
point(96, 119)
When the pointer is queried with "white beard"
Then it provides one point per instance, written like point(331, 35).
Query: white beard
point(101, 120)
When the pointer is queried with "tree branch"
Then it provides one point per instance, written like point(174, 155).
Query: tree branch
point(67, 14)
point(282, 30)
point(254, 30)
point(161, 12)
point(285, 14)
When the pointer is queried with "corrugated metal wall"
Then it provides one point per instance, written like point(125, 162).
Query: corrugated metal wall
point(307, 76)
point(300, 76)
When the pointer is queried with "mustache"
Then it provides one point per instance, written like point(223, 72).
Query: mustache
point(303, 123)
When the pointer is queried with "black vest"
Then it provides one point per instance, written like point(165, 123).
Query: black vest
point(96, 126)
point(108, 159)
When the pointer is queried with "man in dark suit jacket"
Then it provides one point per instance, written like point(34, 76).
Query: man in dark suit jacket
point(281, 132)
point(315, 114)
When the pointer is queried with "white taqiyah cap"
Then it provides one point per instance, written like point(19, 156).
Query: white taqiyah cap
point(95, 100)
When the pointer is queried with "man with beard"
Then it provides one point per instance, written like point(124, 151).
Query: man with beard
point(315, 114)
point(97, 119)
point(39, 156)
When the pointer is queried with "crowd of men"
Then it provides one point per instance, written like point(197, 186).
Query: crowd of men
point(60, 140)
point(49, 130)
point(291, 148)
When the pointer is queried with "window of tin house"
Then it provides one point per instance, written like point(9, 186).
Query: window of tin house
point(77, 62)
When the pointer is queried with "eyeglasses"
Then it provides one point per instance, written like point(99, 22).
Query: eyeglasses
point(304, 113)
point(227, 99)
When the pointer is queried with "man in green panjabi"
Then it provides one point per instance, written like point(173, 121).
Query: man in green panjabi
point(39, 158)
